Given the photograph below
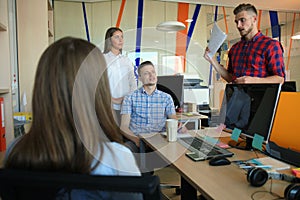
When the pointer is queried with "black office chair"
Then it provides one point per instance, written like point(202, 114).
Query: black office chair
point(24, 184)
point(170, 92)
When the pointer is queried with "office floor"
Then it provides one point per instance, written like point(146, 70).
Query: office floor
point(168, 175)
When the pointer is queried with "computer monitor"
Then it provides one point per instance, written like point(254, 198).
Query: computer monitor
point(284, 138)
point(289, 86)
point(173, 85)
point(250, 108)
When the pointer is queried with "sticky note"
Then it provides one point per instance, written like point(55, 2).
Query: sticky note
point(235, 134)
point(211, 140)
point(220, 128)
point(257, 141)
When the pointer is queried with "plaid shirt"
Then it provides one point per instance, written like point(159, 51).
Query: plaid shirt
point(260, 57)
point(148, 112)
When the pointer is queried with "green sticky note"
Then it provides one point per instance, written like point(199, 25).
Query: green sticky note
point(257, 141)
point(235, 134)
point(211, 140)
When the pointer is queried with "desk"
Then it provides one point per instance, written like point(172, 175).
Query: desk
point(182, 117)
point(221, 182)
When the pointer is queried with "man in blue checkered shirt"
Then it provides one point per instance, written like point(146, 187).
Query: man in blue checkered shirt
point(146, 109)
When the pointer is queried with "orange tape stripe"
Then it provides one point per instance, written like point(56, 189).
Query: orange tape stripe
point(120, 13)
point(181, 36)
point(291, 42)
point(259, 19)
point(226, 25)
point(225, 21)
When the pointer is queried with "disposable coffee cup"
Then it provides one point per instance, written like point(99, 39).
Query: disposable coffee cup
point(172, 129)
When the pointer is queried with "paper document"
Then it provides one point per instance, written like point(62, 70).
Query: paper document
point(216, 40)
point(267, 163)
point(276, 164)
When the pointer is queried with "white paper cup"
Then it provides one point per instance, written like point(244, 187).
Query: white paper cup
point(171, 125)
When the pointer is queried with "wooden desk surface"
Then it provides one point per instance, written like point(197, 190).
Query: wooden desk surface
point(214, 182)
point(186, 116)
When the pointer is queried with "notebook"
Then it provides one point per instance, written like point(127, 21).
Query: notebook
point(206, 148)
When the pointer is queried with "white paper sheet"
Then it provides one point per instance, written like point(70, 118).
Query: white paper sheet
point(216, 40)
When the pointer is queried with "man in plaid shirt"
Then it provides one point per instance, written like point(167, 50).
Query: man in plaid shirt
point(146, 109)
point(255, 58)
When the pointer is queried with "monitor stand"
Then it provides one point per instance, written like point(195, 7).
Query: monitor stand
point(243, 145)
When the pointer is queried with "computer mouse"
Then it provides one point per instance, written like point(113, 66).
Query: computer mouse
point(219, 160)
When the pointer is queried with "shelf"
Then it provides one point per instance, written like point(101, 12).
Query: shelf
point(2, 27)
point(4, 90)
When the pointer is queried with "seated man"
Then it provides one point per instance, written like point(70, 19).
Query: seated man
point(146, 109)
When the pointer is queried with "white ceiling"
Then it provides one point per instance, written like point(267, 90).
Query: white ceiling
point(276, 5)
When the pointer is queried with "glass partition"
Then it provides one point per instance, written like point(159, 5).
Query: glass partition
point(171, 52)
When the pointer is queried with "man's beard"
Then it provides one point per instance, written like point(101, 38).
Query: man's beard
point(247, 32)
point(149, 84)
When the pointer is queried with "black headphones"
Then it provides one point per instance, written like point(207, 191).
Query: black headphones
point(258, 177)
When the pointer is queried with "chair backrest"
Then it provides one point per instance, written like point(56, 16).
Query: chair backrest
point(23, 184)
point(168, 91)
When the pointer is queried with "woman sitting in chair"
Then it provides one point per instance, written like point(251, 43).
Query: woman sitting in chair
point(73, 128)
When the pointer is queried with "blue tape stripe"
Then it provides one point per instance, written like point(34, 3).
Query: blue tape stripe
point(275, 24)
point(192, 25)
point(216, 13)
point(85, 22)
point(211, 68)
point(139, 30)
point(210, 75)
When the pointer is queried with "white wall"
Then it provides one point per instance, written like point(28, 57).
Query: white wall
point(32, 22)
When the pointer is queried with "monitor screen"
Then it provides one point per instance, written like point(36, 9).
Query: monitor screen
point(284, 139)
point(250, 108)
point(173, 85)
point(289, 86)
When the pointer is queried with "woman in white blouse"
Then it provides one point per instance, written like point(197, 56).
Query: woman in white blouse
point(120, 69)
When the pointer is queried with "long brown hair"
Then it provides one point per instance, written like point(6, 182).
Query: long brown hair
point(109, 33)
point(71, 108)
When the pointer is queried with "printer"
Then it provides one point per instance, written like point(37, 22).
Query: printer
point(195, 93)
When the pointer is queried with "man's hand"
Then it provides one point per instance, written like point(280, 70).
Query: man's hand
point(125, 120)
point(182, 129)
point(206, 56)
point(136, 140)
point(246, 79)
point(218, 67)
point(268, 79)
point(117, 100)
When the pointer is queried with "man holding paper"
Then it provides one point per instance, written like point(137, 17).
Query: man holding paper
point(255, 58)
point(146, 109)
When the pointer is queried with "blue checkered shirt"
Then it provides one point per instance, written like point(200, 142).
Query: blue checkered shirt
point(148, 112)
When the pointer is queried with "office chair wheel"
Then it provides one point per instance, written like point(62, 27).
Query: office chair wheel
point(177, 191)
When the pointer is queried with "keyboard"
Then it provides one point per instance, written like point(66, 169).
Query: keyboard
point(204, 149)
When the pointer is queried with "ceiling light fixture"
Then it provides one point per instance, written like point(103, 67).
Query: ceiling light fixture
point(170, 26)
point(189, 20)
point(296, 36)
